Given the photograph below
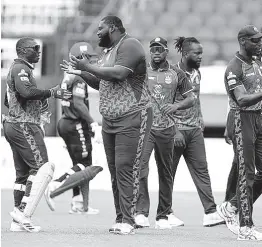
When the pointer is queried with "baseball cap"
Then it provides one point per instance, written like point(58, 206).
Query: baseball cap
point(82, 47)
point(249, 31)
point(160, 41)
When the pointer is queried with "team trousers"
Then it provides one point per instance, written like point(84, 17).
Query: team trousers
point(162, 142)
point(247, 139)
point(195, 156)
point(124, 143)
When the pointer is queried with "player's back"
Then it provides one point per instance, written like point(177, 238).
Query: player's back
point(70, 82)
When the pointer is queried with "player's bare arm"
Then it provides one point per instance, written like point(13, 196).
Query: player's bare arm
point(89, 78)
point(116, 73)
point(245, 99)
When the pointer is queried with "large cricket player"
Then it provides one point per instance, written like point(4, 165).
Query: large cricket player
point(163, 80)
point(23, 132)
point(243, 82)
point(121, 76)
point(76, 127)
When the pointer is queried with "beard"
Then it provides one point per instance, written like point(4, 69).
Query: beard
point(193, 64)
point(105, 41)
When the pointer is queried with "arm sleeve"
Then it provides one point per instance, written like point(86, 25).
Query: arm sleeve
point(184, 86)
point(233, 76)
point(129, 54)
point(25, 87)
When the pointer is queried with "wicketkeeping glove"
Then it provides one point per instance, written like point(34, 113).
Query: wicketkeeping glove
point(59, 93)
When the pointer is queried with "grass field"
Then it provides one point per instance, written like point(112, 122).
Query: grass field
point(59, 229)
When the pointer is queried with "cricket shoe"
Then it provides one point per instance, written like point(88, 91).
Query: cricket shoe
point(80, 210)
point(124, 229)
point(162, 224)
point(249, 233)
point(16, 227)
point(212, 219)
point(228, 213)
point(53, 185)
point(115, 227)
point(174, 221)
point(141, 221)
point(23, 221)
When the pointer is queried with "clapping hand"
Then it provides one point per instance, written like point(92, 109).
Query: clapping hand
point(66, 66)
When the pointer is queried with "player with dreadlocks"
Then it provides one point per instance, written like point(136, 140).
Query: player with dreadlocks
point(190, 124)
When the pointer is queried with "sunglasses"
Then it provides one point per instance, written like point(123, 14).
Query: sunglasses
point(255, 40)
point(159, 49)
point(36, 48)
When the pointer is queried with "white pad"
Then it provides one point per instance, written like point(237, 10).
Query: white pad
point(42, 178)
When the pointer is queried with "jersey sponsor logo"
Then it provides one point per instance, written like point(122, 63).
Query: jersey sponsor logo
point(80, 91)
point(23, 78)
point(168, 79)
point(231, 75)
point(22, 72)
point(231, 82)
point(65, 103)
point(250, 74)
point(152, 77)
point(157, 92)
point(197, 81)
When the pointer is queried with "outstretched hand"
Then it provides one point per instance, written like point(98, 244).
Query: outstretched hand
point(65, 66)
point(79, 64)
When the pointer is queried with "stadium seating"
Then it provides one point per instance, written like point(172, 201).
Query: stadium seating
point(214, 22)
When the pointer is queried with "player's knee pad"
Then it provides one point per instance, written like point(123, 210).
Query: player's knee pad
point(39, 183)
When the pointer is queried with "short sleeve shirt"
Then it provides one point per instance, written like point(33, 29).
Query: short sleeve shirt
point(240, 73)
point(121, 98)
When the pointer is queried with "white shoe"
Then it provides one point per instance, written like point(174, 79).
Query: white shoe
point(249, 233)
point(115, 227)
point(23, 221)
point(174, 221)
point(227, 212)
point(162, 224)
point(125, 229)
point(141, 221)
point(213, 219)
point(77, 207)
point(16, 227)
point(53, 185)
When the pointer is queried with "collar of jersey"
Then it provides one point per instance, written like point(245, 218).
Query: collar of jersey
point(31, 66)
point(242, 59)
point(165, 68)
point(106, 50)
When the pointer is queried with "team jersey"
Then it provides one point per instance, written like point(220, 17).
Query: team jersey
point(23, 99)
point(248, 75)
point(77, 84)
point(191, 117)
point(121, 98)
point(163, 84)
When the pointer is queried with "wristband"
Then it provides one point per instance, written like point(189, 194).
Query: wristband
point(77, 72)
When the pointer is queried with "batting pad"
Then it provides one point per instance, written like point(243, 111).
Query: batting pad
point(77, 179)
point(42, 178)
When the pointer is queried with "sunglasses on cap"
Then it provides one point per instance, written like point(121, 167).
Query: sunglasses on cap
point(255, 40)
point(36, 48)
point(159, 49)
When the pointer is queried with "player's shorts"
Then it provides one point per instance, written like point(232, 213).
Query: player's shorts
point(77, 136)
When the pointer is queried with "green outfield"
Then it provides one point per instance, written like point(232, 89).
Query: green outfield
point(63, 230)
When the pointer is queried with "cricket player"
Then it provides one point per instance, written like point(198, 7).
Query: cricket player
point(191, 125)
point(163, 80)
point(76, 127)
point(23, 132)
point(121, 76)
point(243, 81)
